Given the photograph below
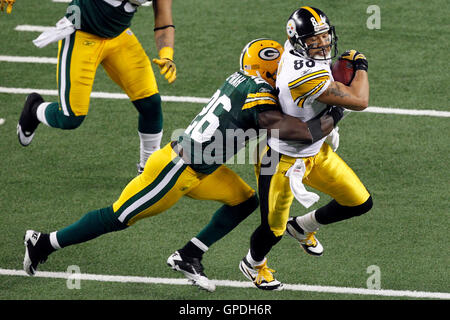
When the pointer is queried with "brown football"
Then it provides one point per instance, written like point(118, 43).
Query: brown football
point(343, 71)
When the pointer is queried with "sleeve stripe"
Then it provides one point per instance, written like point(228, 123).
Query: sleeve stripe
point(300, 100)
point(314, 75)
point(260, 95)
point(250, 103)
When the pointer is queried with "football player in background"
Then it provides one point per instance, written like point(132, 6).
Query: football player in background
point(7, 4)
point(306, 88)
point(193, 166)
point(99, 33)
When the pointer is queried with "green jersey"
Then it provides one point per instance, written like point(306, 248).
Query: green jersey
point(104, 18)
point(227, 122)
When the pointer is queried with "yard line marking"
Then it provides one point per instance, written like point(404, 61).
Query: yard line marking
point(31, 28)
point(410, 112)
point(229, 283)
point(28, 59)
point(122, 96)
point(102, 95)
point(146, 4)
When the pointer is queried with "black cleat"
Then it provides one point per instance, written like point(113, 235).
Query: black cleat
point(33, 253)
point(192, 268)
point(28, 121)
point(307, 240)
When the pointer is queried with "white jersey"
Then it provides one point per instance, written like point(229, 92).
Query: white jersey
point(300, 82)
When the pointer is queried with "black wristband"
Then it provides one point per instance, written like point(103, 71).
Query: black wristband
point(164, 27)
point(336, 113)
point(315, 128)
point(361, 64)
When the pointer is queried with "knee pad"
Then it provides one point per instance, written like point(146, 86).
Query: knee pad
point(70, 122)
point(334, 212)
point(150, 114)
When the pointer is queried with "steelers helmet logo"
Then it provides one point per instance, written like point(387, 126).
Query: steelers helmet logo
point(290, 28)
point(269, 54)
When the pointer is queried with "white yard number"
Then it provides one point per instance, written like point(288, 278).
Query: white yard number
point(206, 122)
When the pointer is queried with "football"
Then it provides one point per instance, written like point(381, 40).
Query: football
point(342, 71)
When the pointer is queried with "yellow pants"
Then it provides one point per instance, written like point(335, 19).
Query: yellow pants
point(325, 171)
point(166, 178)
point(123, 58)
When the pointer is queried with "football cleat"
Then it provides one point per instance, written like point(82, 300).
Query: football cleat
point(192, 268)
point(33, 255)
point(261, 276)
point(139, 169)
point(308, 240)
point(28, 120)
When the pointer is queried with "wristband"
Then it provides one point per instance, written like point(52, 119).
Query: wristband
point(315, 129)
point(164, 27)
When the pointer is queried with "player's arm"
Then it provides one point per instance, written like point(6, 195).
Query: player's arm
point(165, 38)
point(353, 97)
point(291, 128)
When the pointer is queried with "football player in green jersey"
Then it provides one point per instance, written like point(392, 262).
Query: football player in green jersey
point(99, 33)
point(193, 166)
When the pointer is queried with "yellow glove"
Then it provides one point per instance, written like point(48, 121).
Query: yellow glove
point(357, 58)
point(165, 62)
point(8, 4)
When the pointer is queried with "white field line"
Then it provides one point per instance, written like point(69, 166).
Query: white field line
point(102, 95)
point(31, 28)
point(229, 283)
point(19, 59)
point(122, 96)
point(146, 4)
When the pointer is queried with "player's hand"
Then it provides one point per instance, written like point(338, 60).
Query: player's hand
point(337, 113)
point(8, 4)
point(168, 68)
point(333, 139)
point(358, 59)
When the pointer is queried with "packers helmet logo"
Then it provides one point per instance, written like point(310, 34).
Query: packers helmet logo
point(269, 54)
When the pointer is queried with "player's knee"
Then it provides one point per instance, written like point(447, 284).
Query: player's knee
point(71, 122)
point(251, 204)
point(366, 206)
point(150, 114)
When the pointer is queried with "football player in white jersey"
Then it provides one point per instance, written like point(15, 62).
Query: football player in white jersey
point(306, 89)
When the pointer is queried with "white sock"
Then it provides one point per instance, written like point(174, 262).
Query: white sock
point(150, 142)
point(54, 241)
point(252, 262)
point(308, 222)
point(40, 113)
point(199, 244)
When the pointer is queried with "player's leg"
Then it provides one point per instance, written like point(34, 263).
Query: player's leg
point(275, 201)
point(165, 179)
point(239, 201)
point(78, 59)
point(327, 172)
point(129, 66)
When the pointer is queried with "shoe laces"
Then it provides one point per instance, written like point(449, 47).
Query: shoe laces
point(310, 239)
point(264, 273)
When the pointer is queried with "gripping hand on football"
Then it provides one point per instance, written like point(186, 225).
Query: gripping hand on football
point(8, 4)
point(358, 60)
point(165, 62)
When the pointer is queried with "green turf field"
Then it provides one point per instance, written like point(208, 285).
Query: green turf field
point(402, 159)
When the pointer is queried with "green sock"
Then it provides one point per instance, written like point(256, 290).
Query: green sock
point(226, 219)
point(90, 226)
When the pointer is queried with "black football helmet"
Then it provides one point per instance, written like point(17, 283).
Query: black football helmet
point(307, 22)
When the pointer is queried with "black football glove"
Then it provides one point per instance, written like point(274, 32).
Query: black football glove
point(337, 113)
point(358, 60)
